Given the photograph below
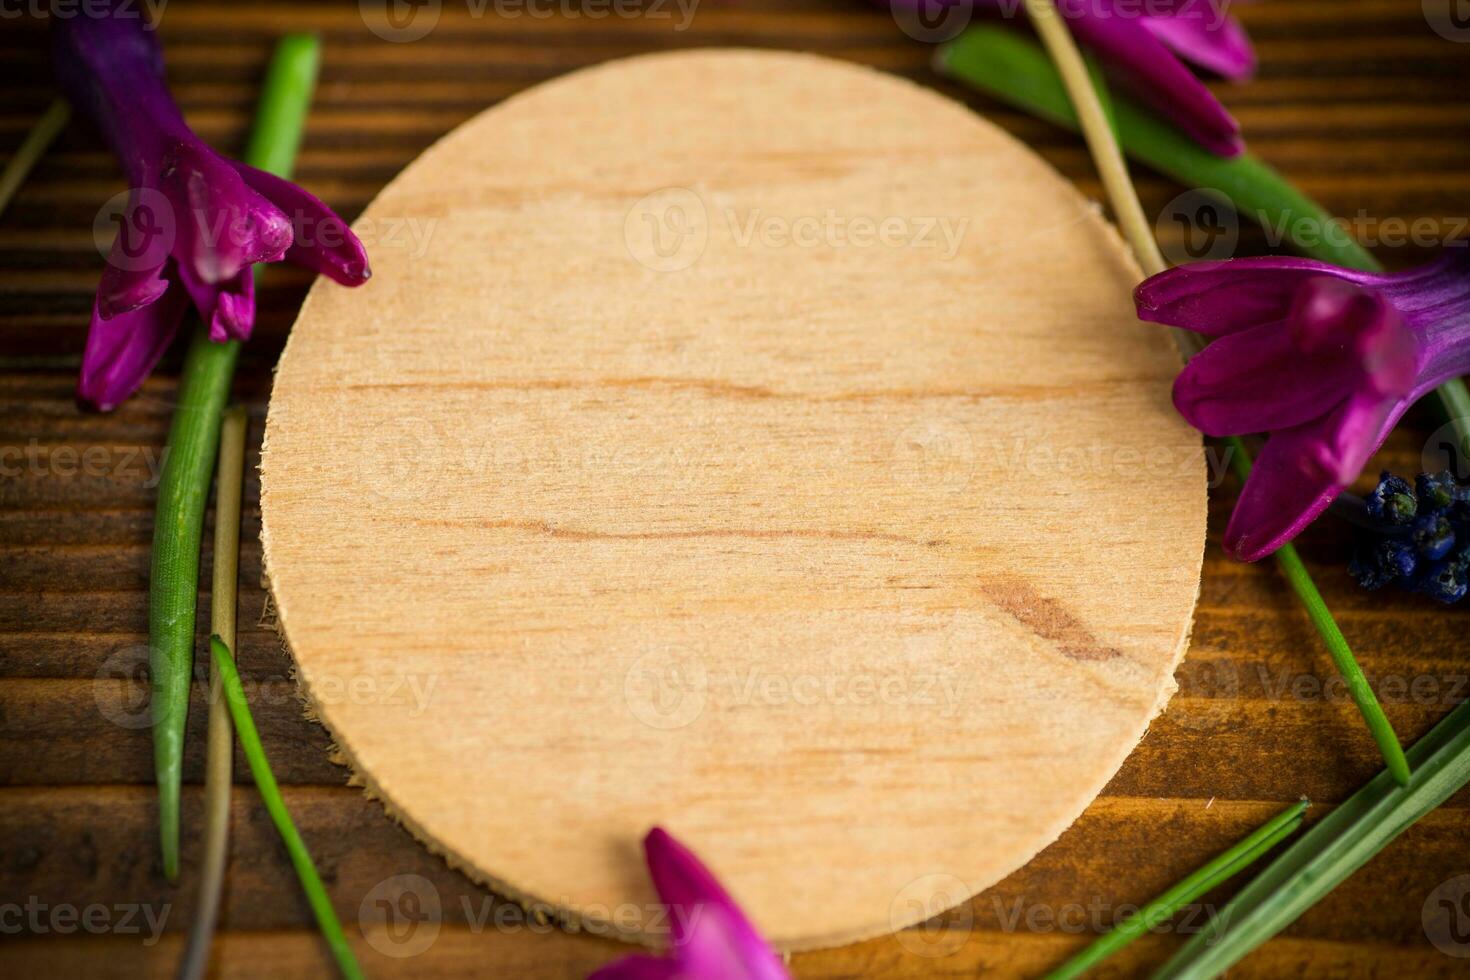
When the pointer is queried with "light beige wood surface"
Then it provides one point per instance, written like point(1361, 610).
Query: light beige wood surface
point(747, 443)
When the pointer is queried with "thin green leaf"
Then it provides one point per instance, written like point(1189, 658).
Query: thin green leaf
point(32, 148)
point(270, 795)
point(1338, 845)
point(1211, 875)
point(1300, 580)
point(193, 439)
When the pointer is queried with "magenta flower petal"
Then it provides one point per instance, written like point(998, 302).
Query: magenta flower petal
point(123, 288)
point(1338, 337)
point(223, 225)
point(711, 937)
point(1151, 72)
point(1138, 42)
point(133, 276)
point(1334, 321)
point(1283, 495)
point(639, 968)
point(1253, 381)
point(1221, 47)
point(322, 241)
point(121, 351)
point(1301, 470)
point(1216, 298)
point(714, 937)
point(228, 308)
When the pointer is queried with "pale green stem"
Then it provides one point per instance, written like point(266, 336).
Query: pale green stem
point(1108, 157)
point(31, 149)
point(219, 752)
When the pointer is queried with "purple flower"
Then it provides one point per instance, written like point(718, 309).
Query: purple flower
point(712, 938)
point(1144, 43)
point(195, 221)
point(1324, 359)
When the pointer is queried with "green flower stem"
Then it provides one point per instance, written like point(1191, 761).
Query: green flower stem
point(1071, 86)
point(1013, 69)
point(1216, 872)
point(270, 794)
point(32, 148)
point(1338, 845)
point(219, 752)
point(1337, 646)
point(193, 439)
point(285, 100)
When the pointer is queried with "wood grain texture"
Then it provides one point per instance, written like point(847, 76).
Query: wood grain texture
point(1358, 102)
point(728, 490)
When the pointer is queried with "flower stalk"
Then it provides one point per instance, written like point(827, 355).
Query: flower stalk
point(219, 752)
point(32, 148)
point(1108, 157)
point(193, 440)
point(270, 795)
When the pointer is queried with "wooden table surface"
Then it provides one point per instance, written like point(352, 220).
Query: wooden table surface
point(1359, 101)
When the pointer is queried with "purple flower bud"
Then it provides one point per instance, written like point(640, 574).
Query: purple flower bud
point(1324, 359)
point(1144, 48)
point(195, 222)
point(712, 938)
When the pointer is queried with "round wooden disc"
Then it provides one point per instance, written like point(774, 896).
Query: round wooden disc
point(746, 443)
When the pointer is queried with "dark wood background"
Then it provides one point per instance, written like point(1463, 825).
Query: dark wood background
point(1359, 101)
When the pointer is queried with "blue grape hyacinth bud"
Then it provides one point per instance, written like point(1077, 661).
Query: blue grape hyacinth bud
point(1417, 536)
point(1393, 501)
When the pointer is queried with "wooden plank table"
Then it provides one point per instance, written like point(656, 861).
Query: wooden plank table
point(1360, 102)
